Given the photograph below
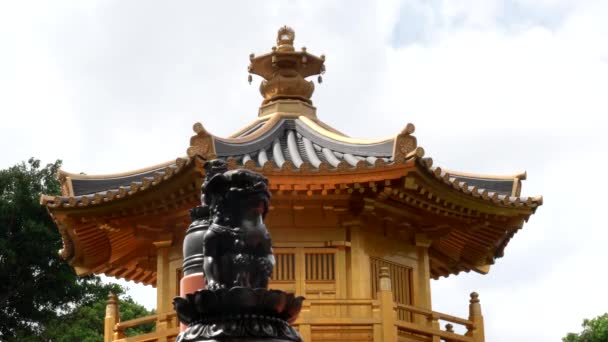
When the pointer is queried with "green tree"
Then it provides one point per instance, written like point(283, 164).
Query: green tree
point(36, 286)
point(85, 323)
point(594, 330)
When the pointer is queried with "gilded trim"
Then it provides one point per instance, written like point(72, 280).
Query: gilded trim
point(520, 175)
point(317, 125)
point(67, 252)
point(111, 175)
point(268, 125)
point(248, 127)
point(323, 131)
point(77, 202)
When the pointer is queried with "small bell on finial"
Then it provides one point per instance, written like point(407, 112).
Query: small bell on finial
point(320, 79)
point(249, 78)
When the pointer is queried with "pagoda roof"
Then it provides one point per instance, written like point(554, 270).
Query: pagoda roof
point(108, 223)
point(295, 145)
point(471, 217)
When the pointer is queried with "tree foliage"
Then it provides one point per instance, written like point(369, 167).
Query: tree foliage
point(594, 330)
point(37, 287)
point(85, 323)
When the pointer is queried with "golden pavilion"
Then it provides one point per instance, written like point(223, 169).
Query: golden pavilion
point(359, 227)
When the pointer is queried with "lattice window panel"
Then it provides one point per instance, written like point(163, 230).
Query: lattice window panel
point(401, 283)
point(284, 268)
point(320, 267)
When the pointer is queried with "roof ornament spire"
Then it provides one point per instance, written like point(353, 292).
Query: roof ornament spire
point(284, 71)
point(285, 39)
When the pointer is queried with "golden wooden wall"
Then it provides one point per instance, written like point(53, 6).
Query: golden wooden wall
point(336, 268)
point(336, 307)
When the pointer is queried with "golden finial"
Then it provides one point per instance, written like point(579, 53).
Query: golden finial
point(285, 70)
point(285, 38)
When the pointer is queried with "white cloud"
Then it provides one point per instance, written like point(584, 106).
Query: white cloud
point(492, 86)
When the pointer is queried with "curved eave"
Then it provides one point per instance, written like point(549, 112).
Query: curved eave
point(117, 175)
point(289, 175)
point(130, 184)
point(476, 248)
point(116, 253)
point(299, 154)
point(507, 184)
point(522, 175)
point(299, 142)
point(479, 193)
point(296, 143)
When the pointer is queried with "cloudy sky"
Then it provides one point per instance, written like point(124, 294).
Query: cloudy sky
point(492, 87)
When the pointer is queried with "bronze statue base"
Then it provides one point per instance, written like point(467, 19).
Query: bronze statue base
point(238, 314)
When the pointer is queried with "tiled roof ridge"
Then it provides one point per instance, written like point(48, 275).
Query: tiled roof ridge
point(305, 167)
point(145, 183)
point(290, 147)
point(489, 195)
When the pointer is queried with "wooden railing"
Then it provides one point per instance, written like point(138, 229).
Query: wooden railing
point(342, 311)
point(364, 314)
point(168, 321)
point(424, 323)
point(432, 328)
point(379, 318)
point(121, 327)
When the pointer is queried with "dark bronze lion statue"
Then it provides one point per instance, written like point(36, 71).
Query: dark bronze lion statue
point(237, 247)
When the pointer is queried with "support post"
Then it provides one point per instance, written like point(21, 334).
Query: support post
point(341, 279)
point(305, 332)
point(163, 279)
point(112, 317)
point(475, 316)
point(359, 268)
point(434, 323)
point(387, 307)
point(304, 328)
point(422, 278)
point(300, 271)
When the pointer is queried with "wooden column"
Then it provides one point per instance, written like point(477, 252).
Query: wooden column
point(300, 290)
point(163, 286)
point(300, 272)
point(423, 281)
point(387, 310)
point(422, 278)
point(476, 317)
point(341, 279)
point(359, 269)
point(304, 328)
point(112, 317)
point(360, 283)
point(433, 321)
